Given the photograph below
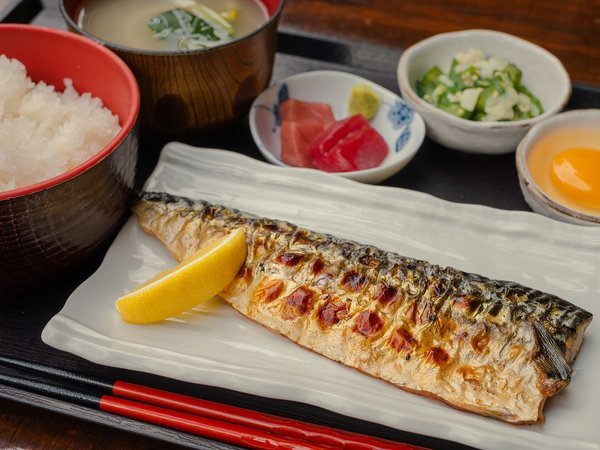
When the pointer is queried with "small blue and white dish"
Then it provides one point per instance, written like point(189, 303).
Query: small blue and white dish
point(400, 126)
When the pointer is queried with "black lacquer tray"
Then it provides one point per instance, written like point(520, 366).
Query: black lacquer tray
point(19, 11)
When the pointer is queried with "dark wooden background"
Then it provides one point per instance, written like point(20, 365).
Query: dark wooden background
point(569, 29)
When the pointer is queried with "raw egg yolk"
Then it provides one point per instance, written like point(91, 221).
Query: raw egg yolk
point(576, 173)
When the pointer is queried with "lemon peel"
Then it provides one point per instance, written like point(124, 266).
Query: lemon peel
point(195, 280)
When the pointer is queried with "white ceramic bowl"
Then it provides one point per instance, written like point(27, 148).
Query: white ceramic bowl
point(401, 128)
point(535, 197)
point(543, 75)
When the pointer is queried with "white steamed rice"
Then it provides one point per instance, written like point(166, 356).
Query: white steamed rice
point(44, 133)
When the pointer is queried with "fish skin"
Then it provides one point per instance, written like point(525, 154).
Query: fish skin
point(491, 347)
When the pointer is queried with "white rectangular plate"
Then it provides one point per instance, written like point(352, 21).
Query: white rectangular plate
point(215, 345)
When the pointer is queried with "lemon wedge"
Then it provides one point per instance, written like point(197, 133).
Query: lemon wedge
point(195, 280)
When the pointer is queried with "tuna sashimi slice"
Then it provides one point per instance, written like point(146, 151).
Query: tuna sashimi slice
point(348, 144)
point(296, 137)
point(301, 123)
point(294, 110)
point(334, 161)
point(365, 148)
point(333, 134)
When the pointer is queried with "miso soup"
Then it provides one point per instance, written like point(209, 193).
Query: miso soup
point(171, 25)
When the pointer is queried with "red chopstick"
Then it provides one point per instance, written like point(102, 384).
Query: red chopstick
point(202, 417)
point(203, 426)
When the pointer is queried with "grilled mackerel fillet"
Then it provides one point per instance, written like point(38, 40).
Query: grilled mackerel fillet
point(491, 347)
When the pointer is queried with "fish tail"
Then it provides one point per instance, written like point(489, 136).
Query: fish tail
point(551, 360)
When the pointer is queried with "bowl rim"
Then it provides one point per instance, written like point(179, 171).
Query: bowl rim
point(127, 124)
point(406, 156)
point(408, 91)
point(137, 51)
point(529, 183)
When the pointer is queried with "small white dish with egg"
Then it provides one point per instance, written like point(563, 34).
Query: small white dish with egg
point(558, 163)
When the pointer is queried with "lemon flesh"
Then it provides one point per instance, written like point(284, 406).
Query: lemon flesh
point(195, 280)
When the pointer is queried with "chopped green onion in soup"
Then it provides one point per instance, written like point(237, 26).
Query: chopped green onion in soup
point(196, 27)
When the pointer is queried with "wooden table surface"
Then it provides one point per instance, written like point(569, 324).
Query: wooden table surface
point(569, 29)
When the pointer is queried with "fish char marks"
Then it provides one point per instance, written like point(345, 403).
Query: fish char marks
point(389, 319)
point(486, 346)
